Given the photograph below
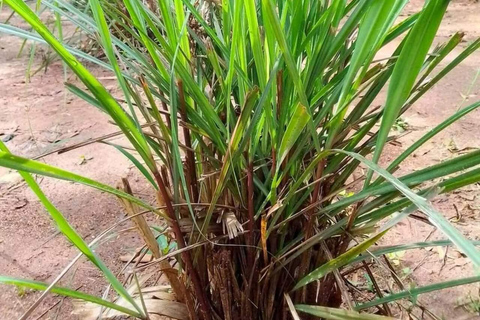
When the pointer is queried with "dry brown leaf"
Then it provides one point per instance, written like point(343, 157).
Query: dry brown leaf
point(89, 311)
point(171, 309)
point(146, 258)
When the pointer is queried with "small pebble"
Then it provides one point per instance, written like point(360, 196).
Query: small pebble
point(7, 137)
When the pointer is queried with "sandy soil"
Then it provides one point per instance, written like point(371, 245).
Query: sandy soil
point(41, 116)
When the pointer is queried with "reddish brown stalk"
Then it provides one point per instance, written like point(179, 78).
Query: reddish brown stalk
point(352, 270)
point(377, 288)
point(273, 287)
point(311, 216)
point(198, 288)
point(251, 213)
point(190, 156)
point(354, 215)
point(345, 238)
point(344, 293)
point(164, 172)
point(279, 91)
point(251, 289)
point(167, 115)
point(279, 105)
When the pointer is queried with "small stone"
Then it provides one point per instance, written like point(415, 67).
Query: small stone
point(7, 137)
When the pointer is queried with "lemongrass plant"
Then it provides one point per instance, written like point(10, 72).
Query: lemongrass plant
point(249, 119)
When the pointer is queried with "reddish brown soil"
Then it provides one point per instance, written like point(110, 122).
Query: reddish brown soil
point(42, 116)
point(459, 89)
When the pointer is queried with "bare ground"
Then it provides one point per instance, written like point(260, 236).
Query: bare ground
point(41, 116)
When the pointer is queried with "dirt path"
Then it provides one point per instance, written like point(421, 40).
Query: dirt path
point(40, 116)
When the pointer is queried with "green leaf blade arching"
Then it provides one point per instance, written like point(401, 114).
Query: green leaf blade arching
point(338, 262)
point(411, 58)
point(36, 285)
point(417, 291)
point(379, 17)
point(417, 144)
point(11, 161)
point(435, 217)
point(71, 234)
point(295, 127)
point(337, 314)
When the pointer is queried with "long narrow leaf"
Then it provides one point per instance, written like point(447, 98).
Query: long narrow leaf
point(337, 314)
point(413, 292)
point(11, 161)
point(338, 262)
point(411, 58)
point(68, 293)
point(72, 235)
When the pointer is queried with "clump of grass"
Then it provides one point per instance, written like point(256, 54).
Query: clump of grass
point(249, 119)
point(22, 291)
point(470, 302)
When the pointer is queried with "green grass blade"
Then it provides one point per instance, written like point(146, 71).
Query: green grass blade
point(337, 314)
point(106, 41)
point(400, 28)
point(369, 212)
point(168, 22)
point(279, 35)
point(430, 134)
point(372, 31)
point(338, 262)
point(11, 161)
point(134, 9)
point(84, 96)
point(403, 247)
point(437, 56)
point(255, 41)
point(413, 292)
point(70, 232)
point(35, 285)
point(237, 136)
point(436, 171)
point(135, 161)
point(411, 58)
point(295, 127)
point(435, 217)
point(474, 46)
point(12, 30)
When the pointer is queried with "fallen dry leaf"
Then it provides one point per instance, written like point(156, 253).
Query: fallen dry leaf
point(89, 311)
